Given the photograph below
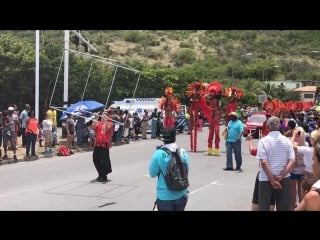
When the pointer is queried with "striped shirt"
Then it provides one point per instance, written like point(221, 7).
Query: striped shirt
point(277, 150)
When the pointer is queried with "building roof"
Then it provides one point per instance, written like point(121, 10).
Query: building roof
point(306, 89)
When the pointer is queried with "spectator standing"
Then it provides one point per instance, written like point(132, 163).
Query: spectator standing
point(70, 129)
point(235, 129)
point(23, 119)
point(311, 201)
point(80, 124)
point(276, 155)
point(187, 116)
point(15, 115)
point(47, 133)
point(308, 178)
point(52, 115)
point(167, 200)
point(255, 197)
point(154, 120)
point(136, 125)
point(297, 171)
point(144, 124)
point(92, 134)
point(10, 121)
point(32, 132)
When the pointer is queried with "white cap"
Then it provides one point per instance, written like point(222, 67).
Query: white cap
point(11, 108)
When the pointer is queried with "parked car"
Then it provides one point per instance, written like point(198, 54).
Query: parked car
point(253, 124)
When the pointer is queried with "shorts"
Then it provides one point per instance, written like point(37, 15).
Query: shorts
point(255, 197)
point(294, 176)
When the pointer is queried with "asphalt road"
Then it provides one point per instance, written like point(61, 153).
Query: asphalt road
point(63, 183)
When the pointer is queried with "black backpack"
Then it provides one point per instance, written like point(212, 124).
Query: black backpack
point(177, 172)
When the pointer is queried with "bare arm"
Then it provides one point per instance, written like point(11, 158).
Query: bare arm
point(251, 146)
point(311, 202)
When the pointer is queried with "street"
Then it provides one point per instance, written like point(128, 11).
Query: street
point(63, 183)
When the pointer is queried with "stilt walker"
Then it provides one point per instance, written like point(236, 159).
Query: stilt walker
point(170, 105)
point(233, 94)
point(213, 96)
point(195, 92)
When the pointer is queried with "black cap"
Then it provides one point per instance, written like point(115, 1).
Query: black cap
point(169, 135)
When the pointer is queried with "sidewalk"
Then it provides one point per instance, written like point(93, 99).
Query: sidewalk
point(21, 151)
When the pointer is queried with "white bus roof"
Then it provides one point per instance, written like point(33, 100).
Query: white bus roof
point(137, 104)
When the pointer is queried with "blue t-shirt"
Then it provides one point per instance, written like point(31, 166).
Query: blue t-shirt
point(158, 167)
point(235, 128)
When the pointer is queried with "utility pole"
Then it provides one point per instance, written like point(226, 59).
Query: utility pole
point(66, 68)
point(36, 95)
point(66, 61)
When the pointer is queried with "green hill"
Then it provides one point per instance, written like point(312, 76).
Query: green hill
point(246, 58)
point(165, 48)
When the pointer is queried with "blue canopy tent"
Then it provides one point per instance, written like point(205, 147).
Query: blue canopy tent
point(81, 108)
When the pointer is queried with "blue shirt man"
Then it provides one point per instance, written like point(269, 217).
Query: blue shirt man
point(167, 200)
point(235, 129)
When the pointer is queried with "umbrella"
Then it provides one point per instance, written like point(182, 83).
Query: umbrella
point(81, 108)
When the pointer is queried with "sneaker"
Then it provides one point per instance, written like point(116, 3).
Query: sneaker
point(5, 157)
point(15, 157)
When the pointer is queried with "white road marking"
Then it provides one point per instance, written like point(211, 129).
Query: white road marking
point(205, 186)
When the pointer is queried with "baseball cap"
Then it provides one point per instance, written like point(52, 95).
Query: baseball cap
point(11, 108)
point(233, 114)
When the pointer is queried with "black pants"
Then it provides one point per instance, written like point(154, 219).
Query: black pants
point(24, 137)
point(101, 160)
point(172, 205)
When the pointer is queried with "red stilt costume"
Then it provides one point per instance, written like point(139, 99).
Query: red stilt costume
point(276, 107)
point(170, 105)
point(213, 96)
point(233, 94)
point(195, 92)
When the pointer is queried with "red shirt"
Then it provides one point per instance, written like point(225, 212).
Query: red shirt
point(103, 138)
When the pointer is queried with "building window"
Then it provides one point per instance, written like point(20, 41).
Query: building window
point(308, 95)
point(297, 85)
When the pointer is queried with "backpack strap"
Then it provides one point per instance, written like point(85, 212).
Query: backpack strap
point(178, 152)
point(167, 150)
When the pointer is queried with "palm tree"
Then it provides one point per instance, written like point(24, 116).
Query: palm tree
point(269, 89)
point(251, 85)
